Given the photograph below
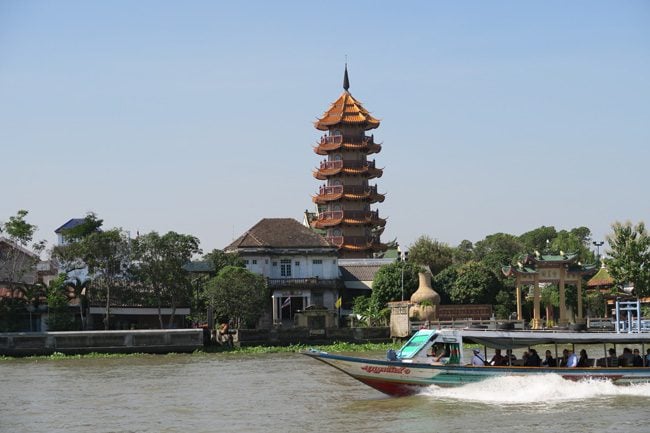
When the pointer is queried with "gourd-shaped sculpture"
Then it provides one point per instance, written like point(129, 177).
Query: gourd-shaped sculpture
point(425, 300)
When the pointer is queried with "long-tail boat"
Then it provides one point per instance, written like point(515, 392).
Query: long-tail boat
point(412, 367)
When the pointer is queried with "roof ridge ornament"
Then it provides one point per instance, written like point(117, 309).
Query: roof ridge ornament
point(346, 80)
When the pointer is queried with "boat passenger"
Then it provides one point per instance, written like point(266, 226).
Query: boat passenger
point(647, 358)
point(476, 359)
point(611, 360)
point(549, 361)
point(443, 355)
point(498, 359)
point(533, 359)
point(583, 361)
point(638, 361)
point(510, 357)
point(626, 359)
point(571, 358)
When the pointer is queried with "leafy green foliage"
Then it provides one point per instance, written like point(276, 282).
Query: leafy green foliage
point(369, 312)
point(629, 256)
point(463, 253)
point(221, 259)
point(387, 284)
point(108, 258)
point(538, 239)
point(15, 263)
point(595, 304)
point(432, 253)
point(160, 268)
point(59, 317)
point(497, 250)
point(444, 282)
point(238, 294)
point(505, 304)
point(475, 284)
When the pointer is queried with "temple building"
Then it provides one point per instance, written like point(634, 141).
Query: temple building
point(344, 212)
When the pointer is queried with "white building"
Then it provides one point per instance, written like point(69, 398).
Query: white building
point(300, 266)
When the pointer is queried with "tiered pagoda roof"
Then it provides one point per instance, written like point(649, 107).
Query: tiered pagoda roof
point(329, 144)
point(346, 111)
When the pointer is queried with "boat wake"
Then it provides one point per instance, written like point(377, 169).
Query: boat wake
point(548, 388)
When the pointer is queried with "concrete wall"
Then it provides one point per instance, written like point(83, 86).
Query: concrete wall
point(285, 337)
point(135, 341)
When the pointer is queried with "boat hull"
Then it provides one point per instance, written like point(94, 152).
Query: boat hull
point(398, 378)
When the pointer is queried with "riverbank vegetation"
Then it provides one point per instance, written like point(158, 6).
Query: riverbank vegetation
point(339, 347)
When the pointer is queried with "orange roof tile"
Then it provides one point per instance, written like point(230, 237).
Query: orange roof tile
point(346, 110)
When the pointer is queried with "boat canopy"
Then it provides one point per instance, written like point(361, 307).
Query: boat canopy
point(517, 339)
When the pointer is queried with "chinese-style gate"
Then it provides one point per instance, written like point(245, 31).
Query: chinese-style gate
point(344, 201)
point(560, 269)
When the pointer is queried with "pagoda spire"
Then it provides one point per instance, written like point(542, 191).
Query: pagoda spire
point(346, 80)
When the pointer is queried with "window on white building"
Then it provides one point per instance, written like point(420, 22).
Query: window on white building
point(285, 267)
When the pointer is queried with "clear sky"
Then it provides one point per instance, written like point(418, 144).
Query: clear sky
point(196, 116)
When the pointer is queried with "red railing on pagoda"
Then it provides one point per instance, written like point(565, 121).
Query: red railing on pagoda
point(332, 218)
point(347, 189)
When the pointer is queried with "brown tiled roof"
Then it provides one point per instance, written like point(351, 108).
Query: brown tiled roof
point(359, 272)
point(279, 233)
point(346, 110)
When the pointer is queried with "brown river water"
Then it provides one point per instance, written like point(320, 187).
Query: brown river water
point(291, 393)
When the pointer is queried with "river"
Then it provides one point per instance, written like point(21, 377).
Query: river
point(290, 393)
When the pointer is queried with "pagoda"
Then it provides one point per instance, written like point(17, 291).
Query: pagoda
point(344, 200)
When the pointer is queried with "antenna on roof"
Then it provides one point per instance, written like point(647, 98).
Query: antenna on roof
point(346, 80)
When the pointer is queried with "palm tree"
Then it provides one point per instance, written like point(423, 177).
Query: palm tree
point(80, 288)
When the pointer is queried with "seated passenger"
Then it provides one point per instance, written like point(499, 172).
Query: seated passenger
point(476, 359)
point(571, 358)
point(549, 361)
point(498, 359)
point(583, 361)
point(611, 360)
point(510, 357)
point(443, 355)
point(647, 358)
point(626, 359)
point(533, 359)
point(638, 361)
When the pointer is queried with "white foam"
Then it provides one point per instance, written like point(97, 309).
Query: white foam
point(547, 388)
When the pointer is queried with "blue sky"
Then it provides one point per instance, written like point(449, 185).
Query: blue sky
point(197, 116)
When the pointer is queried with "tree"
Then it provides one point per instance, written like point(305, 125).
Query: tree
point(387, 284)
point(160, 267)
point(221, 259)
point(444, 282)
point(629, 256)
point(497, 250)
point(576, 241)
point(80, 288)
point(369, 312)
point(238, 294)
point(59, 317)
point(107, 256)
point(538, 239)
point(463, 253)
point(16, 261)
point(475, 284)
point(505, 304)
point(432, 253)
